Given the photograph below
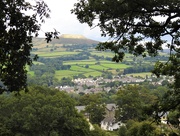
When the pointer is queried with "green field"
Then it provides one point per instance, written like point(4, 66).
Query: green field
point(115, 65)
point(97, 67)
point(31, 73)
point(65, 73)
point(93, 66)
point(54, 54)
point(104, 54)
point(80, 62)
point(39, 63)
point(94, 74)
point(108, 54)
point(80, 69)
point(143, 75)
point(93, 70)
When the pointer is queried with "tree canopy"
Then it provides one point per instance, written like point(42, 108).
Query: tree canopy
point(141, 28)
point(144, 128)
point(18, 24)
point(40, 111)
point(133, 103)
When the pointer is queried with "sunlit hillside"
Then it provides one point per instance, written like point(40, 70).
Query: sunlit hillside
point(64, 39)
point(73, 36)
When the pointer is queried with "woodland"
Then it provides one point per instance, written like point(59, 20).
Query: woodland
point(29, 109)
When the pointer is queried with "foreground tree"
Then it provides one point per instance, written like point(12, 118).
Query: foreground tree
point(141, 28)
point(145, 128)
point(133, 103)
point(41, 111)
point(96, 112)
point(17, 27)
point(173, 118)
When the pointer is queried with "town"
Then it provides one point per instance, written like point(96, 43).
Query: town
point(95, 85)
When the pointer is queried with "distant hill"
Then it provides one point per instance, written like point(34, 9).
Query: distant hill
point(71, 39)
point(72, 36)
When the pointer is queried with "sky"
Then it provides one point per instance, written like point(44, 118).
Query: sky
point(66, 23)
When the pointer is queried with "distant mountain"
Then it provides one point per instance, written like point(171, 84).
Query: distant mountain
point(71, 39)
point(72, 36)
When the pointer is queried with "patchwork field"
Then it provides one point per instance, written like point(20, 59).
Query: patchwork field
point(79, 67)
point(54, 54)
point(96, 65)
point(65, 73)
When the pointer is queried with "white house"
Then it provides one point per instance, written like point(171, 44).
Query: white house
point(109, 122)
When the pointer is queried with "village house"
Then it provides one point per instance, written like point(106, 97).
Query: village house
point(86, 115)
point(109, 122)
point(164, 117)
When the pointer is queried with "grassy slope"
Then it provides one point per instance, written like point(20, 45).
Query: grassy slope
point(54, 54)
point(78, 66)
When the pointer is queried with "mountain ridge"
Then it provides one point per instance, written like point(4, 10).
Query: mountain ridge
point(73, 36)
point(64, 39)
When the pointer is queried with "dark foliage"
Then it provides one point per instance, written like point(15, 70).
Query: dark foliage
point(135, 27)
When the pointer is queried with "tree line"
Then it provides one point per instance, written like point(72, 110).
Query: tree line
point(46, 111)
point(138, 69)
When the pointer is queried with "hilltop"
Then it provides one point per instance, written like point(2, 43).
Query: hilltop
point(64, 39)
point(72, 36)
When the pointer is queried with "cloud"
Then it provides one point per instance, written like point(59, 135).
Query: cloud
point(65, 22)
